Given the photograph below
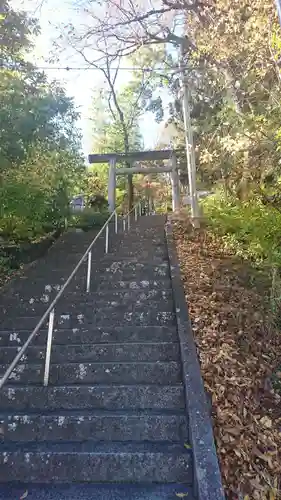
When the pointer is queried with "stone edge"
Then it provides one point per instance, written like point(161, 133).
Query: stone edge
point(207, 476)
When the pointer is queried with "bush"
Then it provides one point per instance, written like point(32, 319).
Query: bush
point(88, 219)
point(251, 229)
point(35, 194)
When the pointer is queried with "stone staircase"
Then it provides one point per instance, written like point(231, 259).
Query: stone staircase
point(112, 424)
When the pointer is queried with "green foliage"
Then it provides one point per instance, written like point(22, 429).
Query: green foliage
point(250, 229)
point(35, 195)
point(40, 159)
point(233, 74)
point(32, 110)
point(88, 218)
point(15, 32)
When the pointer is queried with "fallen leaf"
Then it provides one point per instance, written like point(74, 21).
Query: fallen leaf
point(24, 495)
point(239, 351)
point(181, 495)
point(233, 430)
point(267, 422)
point(187, 446)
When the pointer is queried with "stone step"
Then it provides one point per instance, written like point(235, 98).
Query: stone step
point(92, 335)
point(64, 264)
point(58, 274)
point(78, 305)
point(117, 270)
point(105, 397)
point(117, 316)
point(161, 351)
point(140, 248)
point(135, 266)
point(76, 239)
point(115, 242)
point(33, 287)
point(130, 262)
point(140, 245)
point(146, 253)
point(28, 289)
point(42, 288)
point(158, 253)
point(159, 373)
point(73, 254)
point(158, 273)
point(142, 284)
point(138, 296)
point(89, 462)
point(120, 255)
point(94, 426)
point(100, 491)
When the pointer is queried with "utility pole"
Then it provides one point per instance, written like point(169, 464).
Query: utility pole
point(190, 153)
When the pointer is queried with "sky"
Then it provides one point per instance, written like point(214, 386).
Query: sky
point(78, 84)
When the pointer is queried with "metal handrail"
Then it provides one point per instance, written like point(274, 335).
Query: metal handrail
point(51, 309)
point(137, 211)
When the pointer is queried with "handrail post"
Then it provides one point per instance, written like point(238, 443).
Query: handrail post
point(106, 238)
point(140, 209)
point(116, 223)
point(136, 213)
point(129, 221)
point(89, 271)
point(124, 224)
point(49, 347)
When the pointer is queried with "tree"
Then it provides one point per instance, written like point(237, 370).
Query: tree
point(235, 93)
point(115, 133)
point(122, 109)
point(128, 26)
point(30, 110)
point(234, 83)
point(15, 34)
point(40, 157)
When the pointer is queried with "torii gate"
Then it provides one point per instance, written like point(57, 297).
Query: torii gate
point(113, 158)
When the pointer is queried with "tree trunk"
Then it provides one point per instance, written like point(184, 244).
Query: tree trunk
point(126, 143)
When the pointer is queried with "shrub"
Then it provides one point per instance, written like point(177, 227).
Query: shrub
point(88, 219)
point(35, 194)
point(251, 229)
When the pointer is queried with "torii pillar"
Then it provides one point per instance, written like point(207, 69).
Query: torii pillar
point(112, 184)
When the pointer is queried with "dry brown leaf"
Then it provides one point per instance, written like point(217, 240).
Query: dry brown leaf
point(237, 352)
point(267, 422)
point(235, 431)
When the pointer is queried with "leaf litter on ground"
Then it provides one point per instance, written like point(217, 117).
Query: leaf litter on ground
point(238, 349)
